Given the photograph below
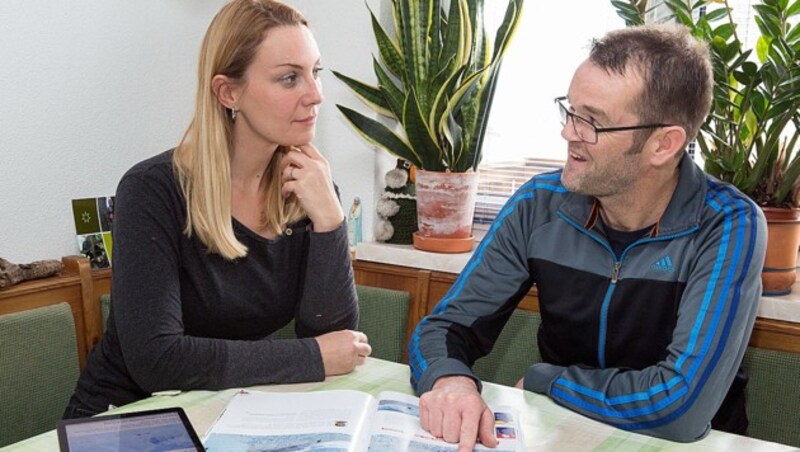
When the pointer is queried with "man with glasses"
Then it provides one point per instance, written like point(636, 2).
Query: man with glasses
point(647, 270)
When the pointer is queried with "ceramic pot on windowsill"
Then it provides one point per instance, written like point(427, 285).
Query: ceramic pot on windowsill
point(445, 208)
point(783, 240)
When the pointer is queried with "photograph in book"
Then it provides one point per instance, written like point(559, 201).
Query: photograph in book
point(337, 420)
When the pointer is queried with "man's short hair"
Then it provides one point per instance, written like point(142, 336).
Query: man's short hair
point(674, 65)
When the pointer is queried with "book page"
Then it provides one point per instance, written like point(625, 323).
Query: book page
point(396, 427)
point(290, 421)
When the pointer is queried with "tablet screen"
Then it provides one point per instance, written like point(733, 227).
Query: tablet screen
point(160, 430)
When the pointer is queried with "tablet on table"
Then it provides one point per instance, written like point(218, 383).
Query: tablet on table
point(165, 429)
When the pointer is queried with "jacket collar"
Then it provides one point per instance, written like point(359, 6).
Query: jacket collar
point(683, 211)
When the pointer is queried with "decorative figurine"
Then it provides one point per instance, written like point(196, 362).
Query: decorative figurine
point(397, 207)
point(354, 224)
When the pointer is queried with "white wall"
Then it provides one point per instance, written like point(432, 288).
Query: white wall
point(344, 35)
point(92, 87)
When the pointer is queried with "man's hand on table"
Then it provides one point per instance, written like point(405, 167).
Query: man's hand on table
point(455, 411)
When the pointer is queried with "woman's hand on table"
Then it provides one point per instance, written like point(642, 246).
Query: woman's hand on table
point(343, 350)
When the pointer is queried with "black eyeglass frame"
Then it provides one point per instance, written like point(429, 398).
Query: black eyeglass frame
point(566, 114)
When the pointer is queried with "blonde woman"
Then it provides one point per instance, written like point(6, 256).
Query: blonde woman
point(231, 235)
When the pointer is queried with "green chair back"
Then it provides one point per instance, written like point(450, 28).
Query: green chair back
point(38, 370)
point(773, 395)
point(515, 350)
point(383, 316)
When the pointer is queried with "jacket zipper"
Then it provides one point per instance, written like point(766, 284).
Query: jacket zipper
point(601, 339)
point(615, 272)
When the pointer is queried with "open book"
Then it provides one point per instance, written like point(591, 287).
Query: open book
point(337, 420)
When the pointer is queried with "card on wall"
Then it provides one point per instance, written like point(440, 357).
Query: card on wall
point(93, 220)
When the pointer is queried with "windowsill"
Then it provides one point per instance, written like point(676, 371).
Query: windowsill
point(785, 308)
point(408, 256)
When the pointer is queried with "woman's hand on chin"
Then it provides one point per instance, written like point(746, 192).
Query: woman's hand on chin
point(306, 174)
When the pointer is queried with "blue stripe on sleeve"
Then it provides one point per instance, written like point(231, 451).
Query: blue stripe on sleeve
point(641, 396)
point(723, 337)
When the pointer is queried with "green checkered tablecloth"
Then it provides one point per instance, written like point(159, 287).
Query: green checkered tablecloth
point(546, 426)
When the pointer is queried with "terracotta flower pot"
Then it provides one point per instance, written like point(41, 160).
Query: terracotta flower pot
point(783, 240)
point(445, 207)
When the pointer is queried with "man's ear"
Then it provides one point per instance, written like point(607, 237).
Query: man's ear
point(667, 143)
point(226, 90)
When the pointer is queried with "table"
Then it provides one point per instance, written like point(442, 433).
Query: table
point(546, 425)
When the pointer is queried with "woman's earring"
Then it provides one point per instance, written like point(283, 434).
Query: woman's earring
point(233, 113)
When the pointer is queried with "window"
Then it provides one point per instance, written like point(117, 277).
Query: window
point(523, 136)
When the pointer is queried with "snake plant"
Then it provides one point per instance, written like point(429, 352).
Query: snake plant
point(750, 137)
point(436, 75)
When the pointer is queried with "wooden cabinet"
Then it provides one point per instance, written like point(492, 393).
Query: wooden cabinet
point(428, 287)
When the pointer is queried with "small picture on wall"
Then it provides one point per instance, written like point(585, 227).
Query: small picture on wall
point(92, 246)
point(108, 244)
point(93, 220)
point(85, 213)
point(105, 208)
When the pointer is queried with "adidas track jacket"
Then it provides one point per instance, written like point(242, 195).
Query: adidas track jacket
point(649, 342)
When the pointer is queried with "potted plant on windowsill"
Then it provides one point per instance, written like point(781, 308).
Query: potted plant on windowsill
point(436, 76)
point(750, 138)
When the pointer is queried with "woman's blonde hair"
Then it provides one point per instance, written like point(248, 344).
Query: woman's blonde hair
point(202, 159)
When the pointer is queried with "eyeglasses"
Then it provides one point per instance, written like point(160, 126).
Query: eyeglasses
point(587, 131)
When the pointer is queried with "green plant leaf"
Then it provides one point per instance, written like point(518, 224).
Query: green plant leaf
point(380, 135)
point(482, 119)
point(452, 53)
point(443, 96)
point(793, 36)
point(479, 44)
point(420, 135)
point(794, 9)
point(681, 11)
point(628, 12)
point(393, 95)
point(732, 51)
point(719, 44)
point(435, 40)
point(716, 15)
point(390, 54)
point(679, 6)
point(460, 94)
point(751, 69)
point(456, 134)
point(758, 104)
point(767, 11)
point(768, 26)
point(413, 45)
point(725, 31)
point(762, 47)
point(370, 95)
point(508, 29)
